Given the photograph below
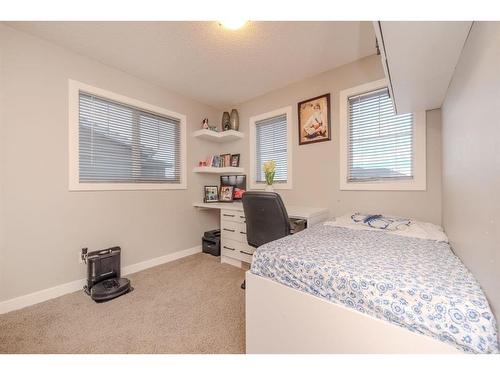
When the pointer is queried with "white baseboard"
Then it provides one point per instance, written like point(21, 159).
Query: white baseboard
point(73, 286)
point(160, 260)
point(40, 296)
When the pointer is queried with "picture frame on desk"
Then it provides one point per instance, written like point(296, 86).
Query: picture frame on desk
point(211, 194)
point(226, 194)
point(238, 182)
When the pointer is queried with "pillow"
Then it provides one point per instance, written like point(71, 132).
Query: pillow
point(405, 227)
point(379, 221)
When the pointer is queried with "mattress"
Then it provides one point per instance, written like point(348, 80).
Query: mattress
point(415, 283)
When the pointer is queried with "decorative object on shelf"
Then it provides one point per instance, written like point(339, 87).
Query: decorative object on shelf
point(235, 160)
point(269, 169)
point(202, 163)
point(226, 194)
point(234, 119)
point(314, 120)
point(226, 123)
point(211, 194)
point(204, 124)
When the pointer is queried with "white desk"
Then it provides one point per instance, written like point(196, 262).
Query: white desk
point(234, 246)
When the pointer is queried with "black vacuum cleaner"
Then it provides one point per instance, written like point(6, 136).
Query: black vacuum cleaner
point(103, 274)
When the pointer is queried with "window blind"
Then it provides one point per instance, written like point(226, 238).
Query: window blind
point(271, 144)
point(119, 143)
point(380, 142)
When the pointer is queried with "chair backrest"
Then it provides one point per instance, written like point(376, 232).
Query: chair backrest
point(266, 217)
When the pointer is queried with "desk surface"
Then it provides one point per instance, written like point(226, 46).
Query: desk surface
point(300, 212)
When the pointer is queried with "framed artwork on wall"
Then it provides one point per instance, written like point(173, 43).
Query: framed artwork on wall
point(314, 120)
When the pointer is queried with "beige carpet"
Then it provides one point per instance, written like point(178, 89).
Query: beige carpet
point(192, 305)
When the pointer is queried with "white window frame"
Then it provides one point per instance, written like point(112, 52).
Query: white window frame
point(254, 185)
point(74, 164)
point(418, 182)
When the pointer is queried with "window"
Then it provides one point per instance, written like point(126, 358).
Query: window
point(271, 140)
point(381, 150)
point(380, 143)
point(271, 144)
point(122, 143)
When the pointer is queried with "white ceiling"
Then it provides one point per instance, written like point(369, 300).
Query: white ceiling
point(211, 64)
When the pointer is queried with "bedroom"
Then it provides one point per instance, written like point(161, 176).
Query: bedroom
point(360, 202)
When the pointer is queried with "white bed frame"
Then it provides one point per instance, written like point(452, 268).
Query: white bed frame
point(280, 319)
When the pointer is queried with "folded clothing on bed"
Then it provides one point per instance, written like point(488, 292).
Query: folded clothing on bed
point(415, 283)
point(379, 221)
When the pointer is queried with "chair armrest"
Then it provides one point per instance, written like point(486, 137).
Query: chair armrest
point(296, 225)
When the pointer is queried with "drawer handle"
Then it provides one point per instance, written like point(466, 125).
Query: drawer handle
point(244, 252)
point(242, 217)
point(229, 248)
point(228, 215)
point(229, 230)
point(243, 232)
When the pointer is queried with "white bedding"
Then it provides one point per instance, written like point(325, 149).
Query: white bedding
point(408, 277)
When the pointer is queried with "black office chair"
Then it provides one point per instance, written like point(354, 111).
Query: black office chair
point(266, 218)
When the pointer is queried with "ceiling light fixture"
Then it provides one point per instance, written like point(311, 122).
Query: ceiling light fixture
point(233, 24)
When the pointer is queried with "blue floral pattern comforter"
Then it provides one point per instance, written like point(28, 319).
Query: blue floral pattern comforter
point(414, 283)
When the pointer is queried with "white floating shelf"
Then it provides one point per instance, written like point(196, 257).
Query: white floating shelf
point(225, 136)
point(216, 170)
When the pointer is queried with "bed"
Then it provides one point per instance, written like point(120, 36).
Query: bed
point(341, 287)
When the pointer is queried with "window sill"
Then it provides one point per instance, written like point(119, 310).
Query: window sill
point(411, 185)
point(277, 186)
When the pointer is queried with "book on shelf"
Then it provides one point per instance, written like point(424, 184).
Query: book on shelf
point(216, 161)
point(223, 160)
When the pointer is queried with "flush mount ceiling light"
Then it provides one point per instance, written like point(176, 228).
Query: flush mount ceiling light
point(232, 24)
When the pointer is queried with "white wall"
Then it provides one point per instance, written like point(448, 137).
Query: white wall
point(316, 166)
point(42, 224)
point(471, 158)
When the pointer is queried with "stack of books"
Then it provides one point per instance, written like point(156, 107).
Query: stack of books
point(224, 160)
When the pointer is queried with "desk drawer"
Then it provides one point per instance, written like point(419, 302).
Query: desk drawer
point(231, 215)
point(233, 230)
point(237, 250)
